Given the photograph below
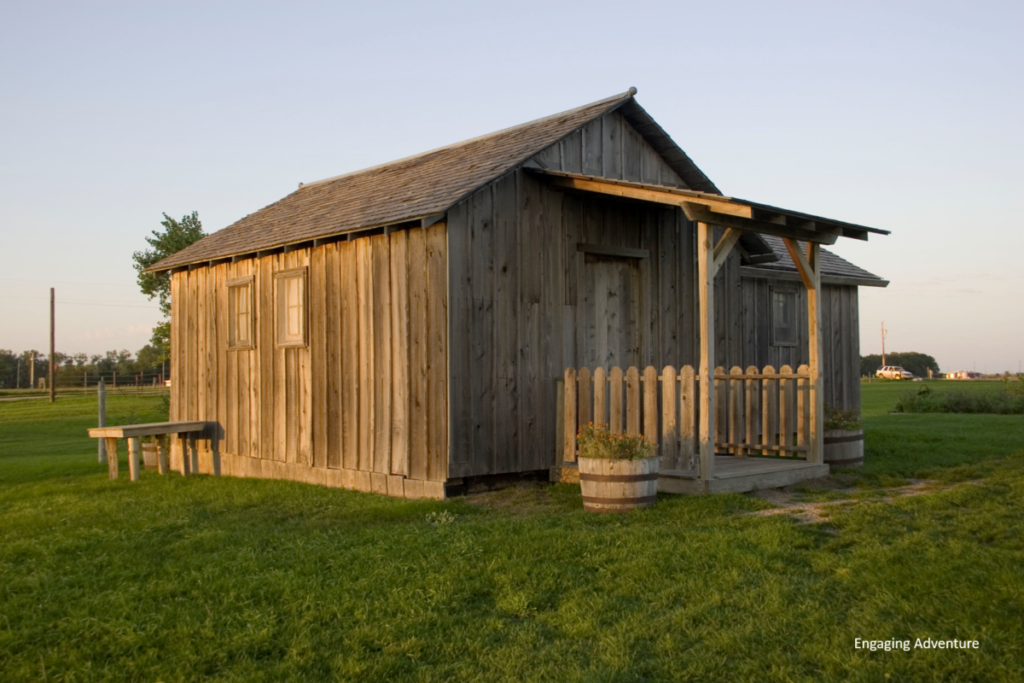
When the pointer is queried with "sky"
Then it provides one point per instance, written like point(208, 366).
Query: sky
point(904, 116)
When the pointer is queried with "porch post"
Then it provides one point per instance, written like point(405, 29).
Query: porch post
point(706, 311)
point(817, 440)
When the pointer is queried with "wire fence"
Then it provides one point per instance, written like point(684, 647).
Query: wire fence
point(86, 383)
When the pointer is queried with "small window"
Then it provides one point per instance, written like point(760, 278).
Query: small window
point(240, 314)
point(290, 297)
point(783, 317)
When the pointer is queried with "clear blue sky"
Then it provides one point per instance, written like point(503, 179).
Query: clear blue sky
point(903, 116)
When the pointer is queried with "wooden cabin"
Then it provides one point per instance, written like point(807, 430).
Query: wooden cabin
point(407, 329)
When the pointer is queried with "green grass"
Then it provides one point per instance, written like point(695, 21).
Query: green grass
point(185, 579)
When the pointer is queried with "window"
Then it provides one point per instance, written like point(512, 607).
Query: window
point(240, 314)
point(290, 295)
point(783, 317)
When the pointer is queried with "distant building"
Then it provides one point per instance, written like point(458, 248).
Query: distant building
point(963, 374)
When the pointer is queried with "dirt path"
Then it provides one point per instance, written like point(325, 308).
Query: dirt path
point(819, 512)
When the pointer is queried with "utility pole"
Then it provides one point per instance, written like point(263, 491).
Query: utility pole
point(17, 384)
point(53, 389)
point(883, 343)
point(32, 371)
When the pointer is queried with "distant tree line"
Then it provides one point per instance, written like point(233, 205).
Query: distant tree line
point(16, 368)
point(917, 363)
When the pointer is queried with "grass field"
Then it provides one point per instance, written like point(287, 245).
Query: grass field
point(183, 579)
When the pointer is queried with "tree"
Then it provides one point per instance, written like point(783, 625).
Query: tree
point(175, 236)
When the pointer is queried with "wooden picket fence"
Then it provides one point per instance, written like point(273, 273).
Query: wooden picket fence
point(758, 412)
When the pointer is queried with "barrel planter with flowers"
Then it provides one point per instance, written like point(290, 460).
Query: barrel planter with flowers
point(844, 438)
point(618, 472)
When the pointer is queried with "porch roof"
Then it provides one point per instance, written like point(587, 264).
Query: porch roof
point(727, 212)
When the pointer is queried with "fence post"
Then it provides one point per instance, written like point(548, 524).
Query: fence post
point(753, 391)
point(615, 402)
point(101, 394)
point(736, 411)
point(768, 411)
point(569, 414)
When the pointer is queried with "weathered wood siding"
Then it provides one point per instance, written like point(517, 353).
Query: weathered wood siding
point(840, 328)
point(521, 311)
point(362, 405)
point(612, 148)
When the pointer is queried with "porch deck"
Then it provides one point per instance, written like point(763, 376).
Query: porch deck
point(732, 474)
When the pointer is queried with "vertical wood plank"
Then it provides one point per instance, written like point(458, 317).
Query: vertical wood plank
point(319, 291)
point(481, 330)
point(506, 322)
point(586, 403)
point(263, 280)
point(786, 409)
point(569, 415)
point(651, 404)
point(461, 313)
point(401, 385)
point(669, 411)
point(814, 344)
point(367, 348)
point(687, 420)
point(305, 448)
point(600, 399)
point(350, 336)
point(419, 338)
point(632, 401)
point(722, 405)
point(333, 343)
point(437, 313)
point(222, 359)
point(752, 414)
point(736, 423)
point(592, 164)
point(615, 401)
point(381, 273)
point(706, 312)
point(802, 405)
point(768, 399)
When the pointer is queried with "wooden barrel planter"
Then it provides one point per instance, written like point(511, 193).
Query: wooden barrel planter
point(618, 485)
point(150, 455)
point(844, 447)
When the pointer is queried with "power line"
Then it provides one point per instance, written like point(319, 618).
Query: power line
point(88, 303)
point(65, 282)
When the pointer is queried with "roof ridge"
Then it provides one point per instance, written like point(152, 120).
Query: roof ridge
point(455, 145)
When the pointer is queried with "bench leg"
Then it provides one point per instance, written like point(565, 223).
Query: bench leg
point(134, 446)
point(185, 460)
point(193, 452)
point(162, 464)
point(111, 456)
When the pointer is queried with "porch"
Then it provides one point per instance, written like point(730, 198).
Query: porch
point(715, 429)
point(762, 423)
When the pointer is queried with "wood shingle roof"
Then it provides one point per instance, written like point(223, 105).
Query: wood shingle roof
point(409, 189)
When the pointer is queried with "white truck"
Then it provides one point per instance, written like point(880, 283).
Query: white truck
point(893, 372)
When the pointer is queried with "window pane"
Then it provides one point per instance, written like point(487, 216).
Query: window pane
point(784, 318)
point(293, 323)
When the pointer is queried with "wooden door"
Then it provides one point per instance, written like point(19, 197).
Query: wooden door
point(610, 302)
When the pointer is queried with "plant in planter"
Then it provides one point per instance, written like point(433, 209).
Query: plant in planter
point(844, 437)
point(618, 472)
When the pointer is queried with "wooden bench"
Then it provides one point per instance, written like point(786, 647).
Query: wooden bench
point(186, 431)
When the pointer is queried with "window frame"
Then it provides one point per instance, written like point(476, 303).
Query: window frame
point(784, 289)
point(249, 283)
point(300, 274)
